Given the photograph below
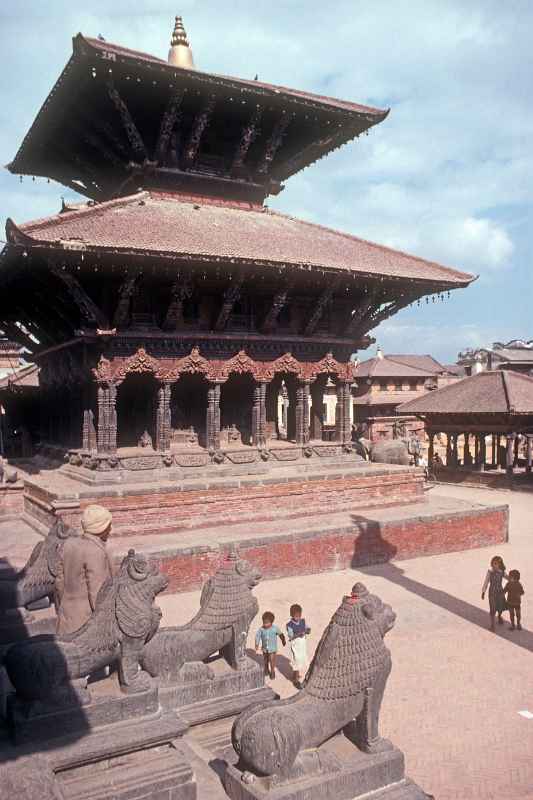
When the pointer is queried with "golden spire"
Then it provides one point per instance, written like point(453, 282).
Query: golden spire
point(180, 54)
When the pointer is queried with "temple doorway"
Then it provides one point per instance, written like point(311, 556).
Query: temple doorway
point(136, 408)
point(281, 408)
point(188, 411)
point(236, 405)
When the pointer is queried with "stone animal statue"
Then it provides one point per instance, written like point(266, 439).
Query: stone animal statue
point(227, 608)
point(36, 580)
point(343, 691)
point(125, 618)
point(390, 451)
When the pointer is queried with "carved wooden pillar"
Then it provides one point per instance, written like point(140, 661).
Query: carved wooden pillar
point(112, 418)
point(259, 415)
point(494, 448)
point(89, 431)
point(107, 418)
point(342, 413)
point(213, 416)
point(162, 420)
point(529, 452)
point(102, 413)
point(510, 453)
point(516, 449)
point(317, 407)
point(302, 405)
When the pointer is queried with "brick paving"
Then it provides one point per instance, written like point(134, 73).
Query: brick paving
point(453, 698)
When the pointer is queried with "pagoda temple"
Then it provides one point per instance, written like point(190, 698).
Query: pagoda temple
point(174, 303)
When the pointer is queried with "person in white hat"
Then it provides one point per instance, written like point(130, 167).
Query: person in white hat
point(84, 568)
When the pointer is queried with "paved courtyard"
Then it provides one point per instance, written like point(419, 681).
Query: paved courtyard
point(453, 698)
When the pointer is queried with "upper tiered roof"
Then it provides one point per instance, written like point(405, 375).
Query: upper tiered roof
point(119, 119)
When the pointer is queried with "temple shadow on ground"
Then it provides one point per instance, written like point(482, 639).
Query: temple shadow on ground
point(373, 555)
point(77, 718)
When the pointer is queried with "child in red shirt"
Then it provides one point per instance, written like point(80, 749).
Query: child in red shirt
point(514, 591)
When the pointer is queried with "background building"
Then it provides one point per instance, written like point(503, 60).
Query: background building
point(385, 382)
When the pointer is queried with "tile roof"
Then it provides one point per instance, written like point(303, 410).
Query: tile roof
point(268, 88)
point(386, 367)
point(384, 398)
point(494, 392)
point(425, 362)
point(518, 354)
point(159, 224)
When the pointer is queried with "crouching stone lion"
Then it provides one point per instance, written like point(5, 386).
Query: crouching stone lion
point(227, 608)
point(46, 668)
point(36, 580)
point(343, 691)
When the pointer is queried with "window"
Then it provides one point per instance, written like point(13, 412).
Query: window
point(383, 386)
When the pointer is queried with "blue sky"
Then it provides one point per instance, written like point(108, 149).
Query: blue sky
point(448, 176)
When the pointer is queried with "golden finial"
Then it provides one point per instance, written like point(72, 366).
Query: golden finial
point(180, 53)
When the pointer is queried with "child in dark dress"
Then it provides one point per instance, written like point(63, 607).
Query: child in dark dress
point(514, 591)
point(493, 581)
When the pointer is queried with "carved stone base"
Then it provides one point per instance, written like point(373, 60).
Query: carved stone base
point(335, 771)
point(72, 714)
point(210, 684)
point(128, 761)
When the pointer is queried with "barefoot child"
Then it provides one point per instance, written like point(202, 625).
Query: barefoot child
point(514, 591)
point(267, 638)
point(493, 580)
point(297, 630)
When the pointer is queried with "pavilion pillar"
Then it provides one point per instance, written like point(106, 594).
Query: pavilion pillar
point(213, 416)
point(431, 447)
point(467, 455)
point(476, 449)
point(162, 418)
point(317, 406)
point(302, 416)
point(495, 448)
point(510, 453)
point(499, 460)
point(448, 450)
point(343, 431)
point(259, 415)
point(516, 451)
point(482, 452)
point(529, 452)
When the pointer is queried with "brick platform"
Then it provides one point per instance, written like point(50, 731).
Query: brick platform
point(296, 521)
point(178, 506)
point(335, 542)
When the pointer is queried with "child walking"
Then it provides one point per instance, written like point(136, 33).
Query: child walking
point(493, 581)
point(297, 630)
point(514, 591)
point(267, 638)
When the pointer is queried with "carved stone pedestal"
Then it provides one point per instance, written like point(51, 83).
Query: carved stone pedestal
point(213, 690)
point(37, 721)
point(335, 771)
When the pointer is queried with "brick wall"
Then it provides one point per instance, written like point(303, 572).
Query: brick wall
point(356, 545)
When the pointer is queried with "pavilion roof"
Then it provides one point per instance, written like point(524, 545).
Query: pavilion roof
point(157, 224)
point(490, 392)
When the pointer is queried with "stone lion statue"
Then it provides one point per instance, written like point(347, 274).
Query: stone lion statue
point(227, 608)
point(36, 580)
point(46, 668)
point(343, 690)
